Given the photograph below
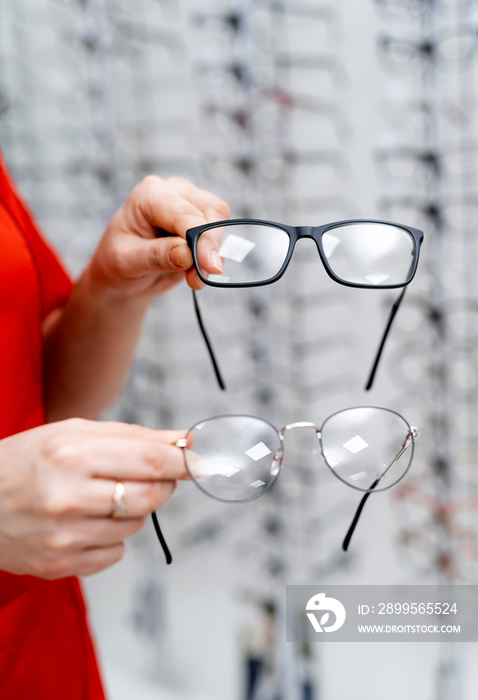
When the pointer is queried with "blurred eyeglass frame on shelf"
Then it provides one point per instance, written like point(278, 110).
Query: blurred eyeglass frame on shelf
point(451, 49)
point(417, 7)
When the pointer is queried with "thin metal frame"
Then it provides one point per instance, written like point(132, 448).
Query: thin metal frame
point(409, 442)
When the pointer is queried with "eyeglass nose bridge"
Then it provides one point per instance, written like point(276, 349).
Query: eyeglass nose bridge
point(300, 424)
point(314, 233)
point(307, 231)
point(303, 424)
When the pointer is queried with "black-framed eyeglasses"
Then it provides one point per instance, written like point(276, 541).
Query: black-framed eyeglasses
point(362, 253)
point(237, 458)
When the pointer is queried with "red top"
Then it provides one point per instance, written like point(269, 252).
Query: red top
point(46, 651)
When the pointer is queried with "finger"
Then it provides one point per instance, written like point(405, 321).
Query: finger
point(113, 458)
point(119, 429)
point(176, 205)
point(94, 498)
point(193, 279)
point(140, 498)
point(207, 250)
point(132, 459)
point(82, 533)
point(84, 562)
point(141, 256)
point(214, 208)
point(91, 561)
point(164, 207)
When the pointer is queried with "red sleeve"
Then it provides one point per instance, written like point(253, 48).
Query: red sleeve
point(55, 282)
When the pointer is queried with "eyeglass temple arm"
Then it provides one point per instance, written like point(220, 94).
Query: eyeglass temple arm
point(161, 539)
point(353, 524)
point(217, 371)
point(393, 313)
point(161, 233)
point(413, 433)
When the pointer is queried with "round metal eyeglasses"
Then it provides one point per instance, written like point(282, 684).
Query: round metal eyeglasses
point(237, 458)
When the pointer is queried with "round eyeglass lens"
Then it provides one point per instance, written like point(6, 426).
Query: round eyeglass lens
point(250, 253)
point(370, 254)
point(234, 458)
point(365, 444)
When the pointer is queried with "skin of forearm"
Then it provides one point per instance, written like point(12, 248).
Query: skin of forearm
point(88, 349)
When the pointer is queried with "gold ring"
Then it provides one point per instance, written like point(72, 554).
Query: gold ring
point(119, 502)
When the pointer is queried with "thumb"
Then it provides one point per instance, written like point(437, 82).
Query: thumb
point(169, 254)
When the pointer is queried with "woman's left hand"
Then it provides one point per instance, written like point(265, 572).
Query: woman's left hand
point(131, 259)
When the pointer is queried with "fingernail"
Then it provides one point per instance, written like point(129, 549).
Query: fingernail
point(216, 261)
point(204, 273)
point(177, 257)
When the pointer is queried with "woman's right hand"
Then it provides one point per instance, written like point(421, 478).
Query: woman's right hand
point(57, 484)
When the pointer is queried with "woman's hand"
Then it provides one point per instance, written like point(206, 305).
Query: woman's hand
point(89, 345)
point(130, 258)
point(57, 484)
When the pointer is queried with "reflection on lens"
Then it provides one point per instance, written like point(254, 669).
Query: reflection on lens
point(233, 458)
point(250, 253)
point(370, 253)
point(363, 444)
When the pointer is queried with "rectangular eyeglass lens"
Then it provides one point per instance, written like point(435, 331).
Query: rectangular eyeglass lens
point(250, 252)
point(370, 253)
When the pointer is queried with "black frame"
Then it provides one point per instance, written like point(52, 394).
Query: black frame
point(294, 233)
